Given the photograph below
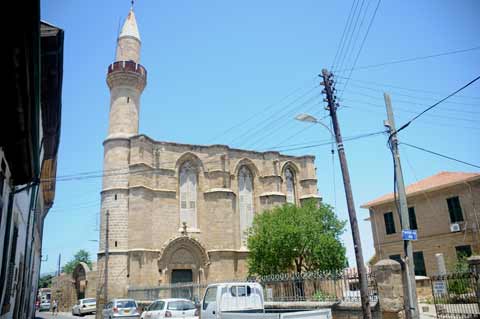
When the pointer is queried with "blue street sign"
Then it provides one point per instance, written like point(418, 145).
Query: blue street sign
point(409, 234)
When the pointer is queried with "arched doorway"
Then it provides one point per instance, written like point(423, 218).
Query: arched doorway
point(184, 265)
point(80, 279)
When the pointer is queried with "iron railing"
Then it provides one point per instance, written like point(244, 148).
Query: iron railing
point(341, 286)
point(456, 295)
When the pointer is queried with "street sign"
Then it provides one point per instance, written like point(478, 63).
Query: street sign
point(409, 234)
point(439, 287)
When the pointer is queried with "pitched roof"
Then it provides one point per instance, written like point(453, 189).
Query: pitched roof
point(435, 182)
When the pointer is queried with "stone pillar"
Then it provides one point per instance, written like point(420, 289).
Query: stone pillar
point(474, 264)
point(388, 274)
point(442, 270)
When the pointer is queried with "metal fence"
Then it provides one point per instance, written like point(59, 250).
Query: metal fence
point(308, 286)
point(456, 295)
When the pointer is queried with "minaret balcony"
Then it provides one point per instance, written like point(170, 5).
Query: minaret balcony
point(126, 73)
point(127, 66)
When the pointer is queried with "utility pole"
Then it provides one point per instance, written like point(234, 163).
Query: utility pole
point(106, 255)
point(362, 273)
point(411, 303)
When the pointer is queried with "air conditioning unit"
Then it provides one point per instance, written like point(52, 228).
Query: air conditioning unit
point(454, 227)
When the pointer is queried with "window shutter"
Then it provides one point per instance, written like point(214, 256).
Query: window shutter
point(419, 264)
point(389, 223)
point(412, 218)
point(454, 209)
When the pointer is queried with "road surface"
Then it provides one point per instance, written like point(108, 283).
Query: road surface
point(61, 315)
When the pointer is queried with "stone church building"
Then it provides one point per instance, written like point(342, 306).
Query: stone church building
point(179, 212)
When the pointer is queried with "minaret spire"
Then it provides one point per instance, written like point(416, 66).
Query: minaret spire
point(128, 43)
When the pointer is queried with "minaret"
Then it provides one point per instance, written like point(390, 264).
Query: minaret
point(126, 79)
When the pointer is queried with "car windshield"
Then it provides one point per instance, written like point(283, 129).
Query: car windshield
point(181, 305)
point(89, 300)
point(126, 304)
point(158, 305)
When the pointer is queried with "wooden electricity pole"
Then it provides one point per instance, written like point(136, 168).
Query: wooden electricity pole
point(411, 303)
point(362, 273)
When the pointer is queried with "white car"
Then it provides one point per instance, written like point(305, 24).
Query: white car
point(84, 306)
point(171, 308)
point(44, 306)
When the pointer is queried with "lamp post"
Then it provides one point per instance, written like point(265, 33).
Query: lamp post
point(311, 119)
point(362, 273)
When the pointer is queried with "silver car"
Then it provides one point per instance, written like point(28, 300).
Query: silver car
point(84, 306)
point(121, 308)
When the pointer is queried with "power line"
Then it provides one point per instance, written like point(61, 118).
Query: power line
point(416, 112)
point(411, 59)
point(259, 128)
point(340, 45)
point(425, 122)
point(255, 115)
point(352, 35)
point(275, 128)
point(416, 97)
point(441, 155)
point(329, 143)
point(271, 126)
point(361, 46)
point(434, 105)
point(436, 93)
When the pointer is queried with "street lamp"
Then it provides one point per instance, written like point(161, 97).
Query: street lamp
point(362, 273)
point(311, 119)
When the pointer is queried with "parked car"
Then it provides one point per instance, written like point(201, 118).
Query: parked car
point(44, 306)
point(84, 306)
point(121, 308)
point(171, 308)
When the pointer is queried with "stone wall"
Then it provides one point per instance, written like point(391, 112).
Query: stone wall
point(145, 214)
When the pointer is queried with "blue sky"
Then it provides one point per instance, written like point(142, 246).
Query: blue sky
point(215, 64)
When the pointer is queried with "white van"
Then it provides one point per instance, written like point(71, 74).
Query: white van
point(245, 300)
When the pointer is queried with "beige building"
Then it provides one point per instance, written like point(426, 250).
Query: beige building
point(444, 208)
point(178, 212)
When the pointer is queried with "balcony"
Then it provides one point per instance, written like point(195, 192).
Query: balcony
point(127, 66)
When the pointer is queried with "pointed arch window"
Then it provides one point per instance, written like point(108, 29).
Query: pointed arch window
point(188, 195)
point(290, 182)
point(245, 195)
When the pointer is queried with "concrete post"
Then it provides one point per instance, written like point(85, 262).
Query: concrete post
point(442, 270)
point(388, 274)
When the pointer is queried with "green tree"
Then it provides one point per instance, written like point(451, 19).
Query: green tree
point(81, 256)
point(45, 281)
point(291, 238)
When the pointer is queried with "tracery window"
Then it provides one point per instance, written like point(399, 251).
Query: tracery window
point(188, 195)
point(245, 193)
point(290, 182)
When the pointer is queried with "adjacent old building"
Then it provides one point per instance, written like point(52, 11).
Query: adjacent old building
point(443, 208)
point(179, 212)
point(29, 139)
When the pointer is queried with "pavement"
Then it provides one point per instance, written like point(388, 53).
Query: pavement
point(61, 315)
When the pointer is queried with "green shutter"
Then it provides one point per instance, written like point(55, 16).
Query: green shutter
point(412, 219)
point(389, 223)
point(454, 209)
point(419, 264)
